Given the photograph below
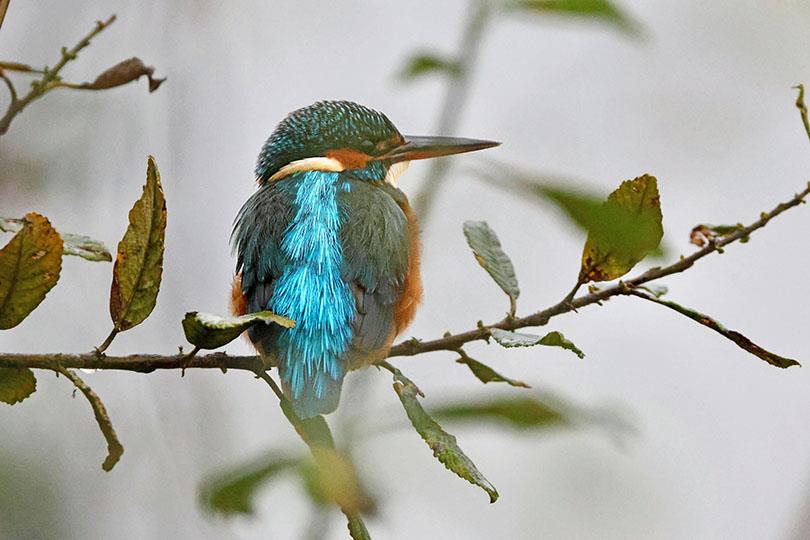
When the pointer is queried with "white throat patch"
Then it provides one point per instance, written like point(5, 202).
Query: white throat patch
point(395, 171)
point(309, 164)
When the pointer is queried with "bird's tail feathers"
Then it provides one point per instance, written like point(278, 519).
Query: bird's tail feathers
point(319, 393)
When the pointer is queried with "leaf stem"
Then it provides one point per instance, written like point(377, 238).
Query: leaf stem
point(103, 347)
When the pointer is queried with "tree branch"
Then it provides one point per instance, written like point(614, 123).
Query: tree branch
point(453, 105)
point(146, 363)
point(50, 76)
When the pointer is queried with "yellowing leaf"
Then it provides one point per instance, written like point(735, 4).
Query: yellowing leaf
point(630, 231)
point(29, 267)
point(511, 339)
point(486, 374)
point(139, 262)
point(16, 384)
point(489, 254)
point(336, 478)
point(208, 331)
point(444, 446)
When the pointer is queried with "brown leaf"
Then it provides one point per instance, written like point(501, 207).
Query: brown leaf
point(123, 73)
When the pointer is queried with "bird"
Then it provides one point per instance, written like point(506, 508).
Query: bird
point(330, 241)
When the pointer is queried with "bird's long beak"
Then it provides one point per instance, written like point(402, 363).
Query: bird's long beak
point(430, 147)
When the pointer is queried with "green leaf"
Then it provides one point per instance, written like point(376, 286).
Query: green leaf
point(629, 230)
point(233, 491)
point(422, 64)
point(510, 339)
point(518, 412)
point(444, 446)
point(208, 331)
point(29, 267)
point(357, 529)
point(489, 254)
point(16, 384)
point(139, 262)
point(86, 248)
point(74, 244)
point(598, 10)
point(486, 374)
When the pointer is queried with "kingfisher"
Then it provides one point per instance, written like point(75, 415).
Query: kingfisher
point(330, 241)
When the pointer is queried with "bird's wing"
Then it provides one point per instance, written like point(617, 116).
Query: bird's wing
point(375, 242)
point(257, 236)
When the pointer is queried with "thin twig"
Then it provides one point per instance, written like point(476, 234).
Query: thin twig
point(114, 447)
point(50, 76)
point(11, 90)
point(454, 102)
point(802, 109)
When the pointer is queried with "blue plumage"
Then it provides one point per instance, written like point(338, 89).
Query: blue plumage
point(311, 292)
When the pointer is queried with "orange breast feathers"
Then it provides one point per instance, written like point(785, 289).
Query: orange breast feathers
point(238, 300)
point(405, 309)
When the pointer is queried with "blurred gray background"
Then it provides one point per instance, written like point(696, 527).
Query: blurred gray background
point(704, 103)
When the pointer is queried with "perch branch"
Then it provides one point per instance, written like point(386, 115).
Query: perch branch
point(146, 363)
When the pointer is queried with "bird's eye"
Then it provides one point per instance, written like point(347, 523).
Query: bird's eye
point(367, 145)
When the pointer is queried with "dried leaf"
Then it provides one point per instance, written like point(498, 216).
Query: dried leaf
point(16, 66)
point(29, 267)
point(742, 341)
point(511, 339)
point(234, 491)
point(139, 262)
point(114, 447)
point(422, 64)
point(630, 230)
point(444, 446)
point(123, 73)
point(16, 384)
point(598, 10)
point(489, 254)
point(486, 374)
point(212, 331)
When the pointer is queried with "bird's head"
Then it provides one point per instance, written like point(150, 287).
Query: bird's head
point(340, 136)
